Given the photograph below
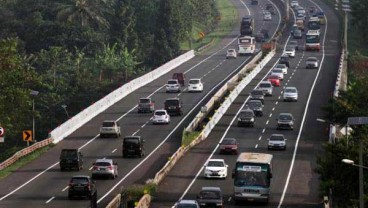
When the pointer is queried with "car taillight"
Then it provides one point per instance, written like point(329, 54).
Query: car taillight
point(70, 184)
point(151, 104)
point(110, 168)
point(95, 168)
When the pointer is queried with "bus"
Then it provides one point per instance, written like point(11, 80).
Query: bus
point(312, 40)
point(246, 45)
point(252, 177)
point(247, 25)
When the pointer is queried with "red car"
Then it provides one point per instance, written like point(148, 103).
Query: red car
point(229, 145)
point(275, 80)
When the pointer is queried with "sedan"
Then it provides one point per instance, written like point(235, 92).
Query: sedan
point(290, 94)
point(311, 62)
point(195, 85)
point(275, 80)
point(283, 67)
point(277, 141)
point(278, 72)
point(285, 121)
point(229, 145)
point(161, 117)
point(215, 168)
point(290, 51)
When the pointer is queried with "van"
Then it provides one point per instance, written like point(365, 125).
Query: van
point(180, 77)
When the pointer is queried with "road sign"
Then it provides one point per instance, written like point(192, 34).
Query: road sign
point(346, 130)
point(27, 135)
point(2, 131)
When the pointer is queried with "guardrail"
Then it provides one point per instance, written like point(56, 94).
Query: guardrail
point(115, 202)
point(340, 83)
point(24, 152)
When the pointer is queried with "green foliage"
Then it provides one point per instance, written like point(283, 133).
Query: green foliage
point(188, 137)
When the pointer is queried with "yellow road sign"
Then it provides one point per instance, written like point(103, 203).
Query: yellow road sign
point(27, 136)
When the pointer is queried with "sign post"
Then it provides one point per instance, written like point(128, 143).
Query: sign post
point(27, 136)
point(2, 133)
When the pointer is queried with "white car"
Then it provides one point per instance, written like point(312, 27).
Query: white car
point(283, 67)
point(173, 86)
point(110, 128)
point(186, 203)
point(267, 87)
point(290, 51)
point(278, 72)
point(161, 117)
point(267, 16)
point(312, 62)
point(294, 3)
point(215, 168)
point(105, 167)
point(195, 85)
point(231, 53)
point(290, 94)
point(277, 141)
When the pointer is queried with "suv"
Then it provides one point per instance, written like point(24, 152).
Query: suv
point(267, 87)
point(81, 185)
point(257, 94)
point(110, 128)
point(71, 159)
point(285, 121)
point(173, 86)
point(185, 203)
point(105, 167)
point(146, 105)
point(133, 145)
point(246, 118)
point(210, 197)
point(256, 106)
point(173, 106)
point(284, 59)
point(180, 77)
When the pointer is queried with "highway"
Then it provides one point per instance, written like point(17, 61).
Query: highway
point(41, 184)
point(294, 183)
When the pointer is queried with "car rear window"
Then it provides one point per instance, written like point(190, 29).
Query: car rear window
point(102, 164)
point(257, 92)
point(284, 117)
point(108, 124)
point(277, 71)
point(277, 138)
point(186, 206)
point(246, 114)
point(228, 141)
point(216, 164)
point(79, 180)
point(131, 140)
point(171, 102)
point(255, 104)
point(210, 195)
point(265, 85)
point(290, 90)
point(172, 82)
point(194, 81)
point(144, 100)
point(160, 113)
point(68, 153)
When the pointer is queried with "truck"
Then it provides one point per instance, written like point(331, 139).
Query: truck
point(247, 26)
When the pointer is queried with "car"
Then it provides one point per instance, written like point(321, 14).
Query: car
point(267, 87)
point(211, 197)
point(260, 37)
point(195, 85)
point(312, 9)
point(278, 72)
point(71, 159)
point(285, 59)
point(257, 94)
point(294, 43)
point(215, 168)
point(231, 53)
point(277, 141)
point(290, 51)
point(268, 6)
point(293, 28)
point(105, 167)
point(229, 145)
point(180, 77)
point(173, 85)
point(290, 94)
point(173, 106)
point(110, 128)
point(298, 34)
point(254, 2)
point(81, 186)
point(133, 146)
point(285, 121)
point(256, 106)
point(301, 10)
point(312, 62)
point(246, 118)
point(161, 117)
point(294, 3)
point(283, 67)
point(186, 203)
point(146, 105)
point(300, 16)
point(275, 80)
point(267, 16)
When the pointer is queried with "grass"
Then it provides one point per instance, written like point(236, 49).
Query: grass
point(188, 137)
point(23, 161)
point(227, 20)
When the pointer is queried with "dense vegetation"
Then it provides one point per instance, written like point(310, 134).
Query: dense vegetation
point(76, 51)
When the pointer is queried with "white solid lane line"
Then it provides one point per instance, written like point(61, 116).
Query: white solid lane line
point(50, 199)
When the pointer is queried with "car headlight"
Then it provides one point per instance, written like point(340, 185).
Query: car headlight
point(219, 204)
point(252, 119)
point(239, 119)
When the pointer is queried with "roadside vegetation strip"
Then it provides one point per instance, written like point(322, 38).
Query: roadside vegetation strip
point(24, 160)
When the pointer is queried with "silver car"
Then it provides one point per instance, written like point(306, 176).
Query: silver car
point(290, 94)
point(312, 62)
point(173, 86)
point(105, 167)
point(267, 87)
point(277, 141)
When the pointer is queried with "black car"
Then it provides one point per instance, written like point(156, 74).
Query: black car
point(256, 106)
point(285, 59)
point(71, 159)
point(81, 186)
point(257, 94)
point(246, 118)
point(173, 106)
point(133, 146)
point(260, 37)
point(210, 197)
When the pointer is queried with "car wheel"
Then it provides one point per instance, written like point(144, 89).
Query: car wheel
point(70, 197)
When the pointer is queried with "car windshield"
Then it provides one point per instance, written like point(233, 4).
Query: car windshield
point(160, 113)
point(285, 117)
point(172, 82)
point(312, 59)
point(277, 138)
point(79, 180)
point(108, 124)
point(194, 81)
point(71, 153)
point(265, 85)
point(228, 141)
point(255, 104)
point(280, 66)
point(231, 51)
point(277, 71)
point(215, 164)
point(144, 100)
point(131, 140)
point(257, 92)
point(209, 195)
point(246, 114)
point(102, 164)
point(288, 48)
point(290, 90)
point(171, 102)
point(273, 77)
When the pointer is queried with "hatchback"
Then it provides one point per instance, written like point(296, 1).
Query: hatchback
point(297, 34)
point(290, 51)
point(256, 106)
point(105, 167)
point(294, 43)
point(275, 80)
point(267, 16)
point(161, 117)
point(257, 94)
point(195, 85)
point(231, 53)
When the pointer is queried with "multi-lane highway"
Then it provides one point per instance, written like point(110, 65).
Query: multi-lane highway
point(294, 183)
point(41, 184)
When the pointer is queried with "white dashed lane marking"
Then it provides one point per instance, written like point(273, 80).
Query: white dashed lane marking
point(48, 201)
point(66, 188)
